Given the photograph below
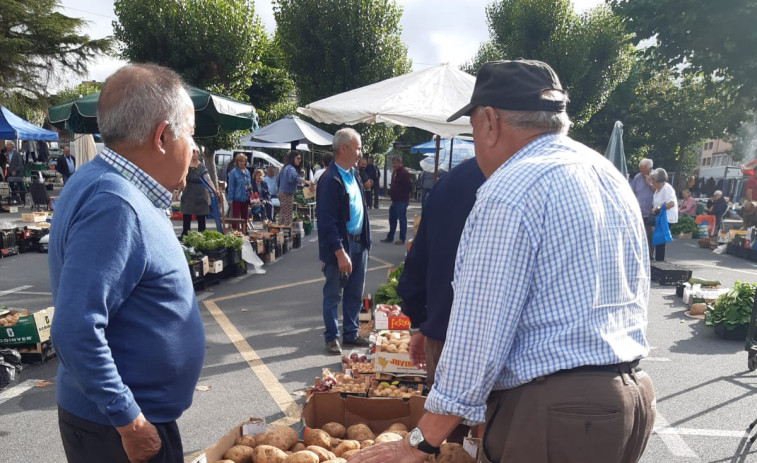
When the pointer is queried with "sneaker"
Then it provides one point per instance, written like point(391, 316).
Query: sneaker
point(358, 341)
point(388, 240)
point(333, 347)
point(399, 242)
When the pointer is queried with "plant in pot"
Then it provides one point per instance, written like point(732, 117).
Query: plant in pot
point(685, 228)
point(732, 311)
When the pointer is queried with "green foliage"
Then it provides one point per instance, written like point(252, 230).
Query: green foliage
point(732, 308)
point(387, 293)
point(591, 52)
point(73, 93)
point(710, 38)
point(37, 46)
point(685, 224)
point(210, 240)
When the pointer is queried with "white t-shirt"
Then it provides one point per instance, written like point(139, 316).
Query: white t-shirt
point(665, 195)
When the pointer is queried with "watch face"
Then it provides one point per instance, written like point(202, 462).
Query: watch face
point(415, 437)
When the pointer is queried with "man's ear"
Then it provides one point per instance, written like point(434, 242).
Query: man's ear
point(161, 132)
point(493, 129)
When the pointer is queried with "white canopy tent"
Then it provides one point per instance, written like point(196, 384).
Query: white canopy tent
point(422, 99)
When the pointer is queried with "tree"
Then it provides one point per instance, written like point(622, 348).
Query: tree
point(702, 37)
point(73, 93)
point(37, 44)
point(217, 45)
point(331, 46)
point(591, 52)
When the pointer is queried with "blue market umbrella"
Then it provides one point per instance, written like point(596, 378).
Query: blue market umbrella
point(614, 151)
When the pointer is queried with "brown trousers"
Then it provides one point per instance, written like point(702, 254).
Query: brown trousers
point(433, 350)
point(571, 417)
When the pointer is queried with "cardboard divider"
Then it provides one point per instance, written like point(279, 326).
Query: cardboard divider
point(377, 414)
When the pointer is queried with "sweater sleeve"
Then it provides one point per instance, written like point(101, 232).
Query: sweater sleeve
point(89, 294)
point(412, 285)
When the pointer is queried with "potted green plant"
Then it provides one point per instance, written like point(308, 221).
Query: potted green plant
point(685, 228)
point(732, 311)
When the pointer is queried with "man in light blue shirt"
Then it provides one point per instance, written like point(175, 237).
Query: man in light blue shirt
point(551, 288)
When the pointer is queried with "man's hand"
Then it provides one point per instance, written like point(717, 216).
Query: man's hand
point(396, 452)
point(343, 261)
point(140, 440)
point(418, 350)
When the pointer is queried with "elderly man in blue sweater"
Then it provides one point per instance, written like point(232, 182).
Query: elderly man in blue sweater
point(127, 329)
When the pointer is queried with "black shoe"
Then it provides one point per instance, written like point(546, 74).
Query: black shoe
point(388, 240)
point(399, 242)
point(333, 347)
point(358, 341)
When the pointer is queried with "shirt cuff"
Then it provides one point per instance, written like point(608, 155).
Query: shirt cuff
point(123, 416)
point(440, 404)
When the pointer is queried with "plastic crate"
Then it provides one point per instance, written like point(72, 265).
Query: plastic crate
point(221, 254)
point(666, 273)
point(7, 239)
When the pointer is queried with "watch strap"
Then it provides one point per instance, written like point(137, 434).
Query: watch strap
point(425, 447)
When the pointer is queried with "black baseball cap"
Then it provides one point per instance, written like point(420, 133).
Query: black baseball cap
point(515, 85)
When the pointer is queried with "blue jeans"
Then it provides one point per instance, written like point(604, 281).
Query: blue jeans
point(398, 211)
point(351, 296)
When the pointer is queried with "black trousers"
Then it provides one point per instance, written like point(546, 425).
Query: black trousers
point(187, 223)
point(374, 195)
point(88, 442)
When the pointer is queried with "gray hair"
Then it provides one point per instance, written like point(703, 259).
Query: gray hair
point(646, 162)
point(137, 98)
point(659, 175)
point(343, 137)
point(8, 142)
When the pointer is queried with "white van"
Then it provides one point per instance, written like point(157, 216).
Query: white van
point(255, 160)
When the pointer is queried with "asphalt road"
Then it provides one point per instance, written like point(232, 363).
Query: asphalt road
point(265, 346)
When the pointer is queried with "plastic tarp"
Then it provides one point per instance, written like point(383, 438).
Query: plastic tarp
point(615, 152)
point(422, 99)
point(460, 152)
point(13, 127)
point(292, 129)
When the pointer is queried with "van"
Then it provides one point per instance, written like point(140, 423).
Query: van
point(255, 160)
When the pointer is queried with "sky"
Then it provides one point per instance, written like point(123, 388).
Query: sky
point(435, 31)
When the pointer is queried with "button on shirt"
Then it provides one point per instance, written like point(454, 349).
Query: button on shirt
point(551, 273)
point(355, 225)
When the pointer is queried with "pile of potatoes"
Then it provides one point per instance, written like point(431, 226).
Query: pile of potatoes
point(349, 384)
point(394, 342)
point(333, 443)
point(10, 319)
point(360, 367)
point(393, 390)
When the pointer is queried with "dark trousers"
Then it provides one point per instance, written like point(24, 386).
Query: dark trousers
point(88, 442)
point(187, 223)
point(351, 295)
point(576, 416)
point(433, 350)
point(374, 195)
point(398, 212)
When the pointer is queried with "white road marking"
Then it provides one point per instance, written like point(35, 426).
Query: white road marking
point(14, 290)
point(673, 441)
point(204, 296)
point(656, 359)
point(35, 293)
point(701, 432)
point(719, 267)
point(17, 390)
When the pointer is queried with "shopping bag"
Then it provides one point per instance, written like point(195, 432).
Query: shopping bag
point(661, 233)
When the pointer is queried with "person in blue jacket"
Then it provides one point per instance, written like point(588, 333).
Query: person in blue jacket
point(127, 328)
point(240, 186)
point(344, 240)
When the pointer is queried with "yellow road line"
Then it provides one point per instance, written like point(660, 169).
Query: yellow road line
point(381, 261)
point(280, 395)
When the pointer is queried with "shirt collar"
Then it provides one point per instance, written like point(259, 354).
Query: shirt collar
point(154, 191)
point(342, 171)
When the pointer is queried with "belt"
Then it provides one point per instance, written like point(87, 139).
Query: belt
point(620, 368)
point(355, 238)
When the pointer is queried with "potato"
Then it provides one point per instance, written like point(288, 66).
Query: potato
point(387, 437)
point(453, 453)
point(349, 453)
point(360, 432)
point(346, 445)
point(281, 437)
point(225, 461)
point(317, 437)
point(259, 438)
point(297, 447)
point(247, 440)
point(304, 456)
point(366, 443)
point(268, 454)
point(322, 453)
point(239, 454)
point(336, 460)
point(397, 427)
point(334, 430)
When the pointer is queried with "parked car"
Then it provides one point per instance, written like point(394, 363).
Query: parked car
point(255, 160)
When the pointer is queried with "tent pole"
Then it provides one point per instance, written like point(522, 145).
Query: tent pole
point(451, 145)
point(436, 159)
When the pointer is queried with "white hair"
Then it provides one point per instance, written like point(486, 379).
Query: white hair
point(659, 175)
point(547, 121)
point(646, 162)
point(344, 137)
point(8, 142)
point(148, 96)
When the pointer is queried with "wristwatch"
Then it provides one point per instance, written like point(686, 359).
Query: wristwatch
point(416, 440)
point(414, 331)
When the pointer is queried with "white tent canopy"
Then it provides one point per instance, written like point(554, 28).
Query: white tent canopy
point(422, 99)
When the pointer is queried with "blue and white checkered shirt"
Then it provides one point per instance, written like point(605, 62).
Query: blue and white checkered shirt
point(154, 191)
point(552, 272)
